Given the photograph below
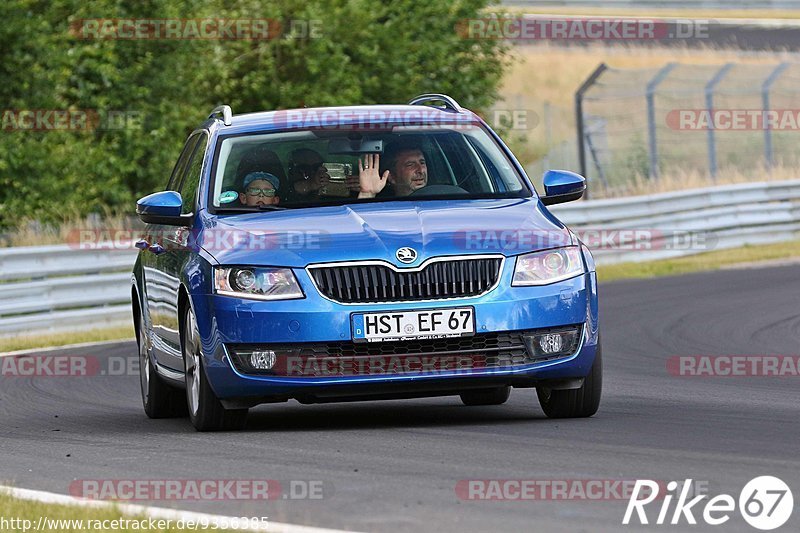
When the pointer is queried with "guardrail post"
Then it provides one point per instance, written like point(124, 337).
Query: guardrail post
point(585, 86)
point(765, 88)
point(651, 116)
point(712, 147)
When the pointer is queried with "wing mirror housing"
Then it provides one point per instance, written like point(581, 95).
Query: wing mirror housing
point(163, 208)
point(562, 186)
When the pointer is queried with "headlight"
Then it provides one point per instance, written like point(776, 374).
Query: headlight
point(258, 283)
point(548, 266)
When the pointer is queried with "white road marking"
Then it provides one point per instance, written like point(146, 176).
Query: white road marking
point(66, 347)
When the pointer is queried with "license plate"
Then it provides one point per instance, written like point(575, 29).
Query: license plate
point(403, 325)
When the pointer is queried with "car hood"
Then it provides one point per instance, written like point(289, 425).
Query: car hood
point(370, 231)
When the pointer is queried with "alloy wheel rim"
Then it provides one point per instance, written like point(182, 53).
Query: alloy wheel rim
point(192, 365)
point(144, 364)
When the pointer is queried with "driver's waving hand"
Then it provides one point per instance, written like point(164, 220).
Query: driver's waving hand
point(405, 169)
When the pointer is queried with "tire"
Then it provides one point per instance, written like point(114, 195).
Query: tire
point(575, 403)
point(205, 410)
point(496, 396)
point(159, 399)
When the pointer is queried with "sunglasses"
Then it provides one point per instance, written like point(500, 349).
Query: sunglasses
point(253, 191)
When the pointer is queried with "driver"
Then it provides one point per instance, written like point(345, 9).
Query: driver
point(405, 169)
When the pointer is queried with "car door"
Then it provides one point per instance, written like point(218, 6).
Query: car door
point(158, 284)
point(177, 253)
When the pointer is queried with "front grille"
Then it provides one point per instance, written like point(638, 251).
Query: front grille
point(331, 359)
point(454, 278)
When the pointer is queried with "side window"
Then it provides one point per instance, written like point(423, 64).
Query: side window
point(462, 161)
point(180, 166)
point(191, 179)
point(496, 180)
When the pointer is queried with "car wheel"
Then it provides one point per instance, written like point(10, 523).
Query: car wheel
point(159, 399)
point(496, 396)
point(205, 410)
point(575, 403)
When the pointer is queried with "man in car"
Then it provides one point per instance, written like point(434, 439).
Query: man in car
point(260, 188)
point(405, 170)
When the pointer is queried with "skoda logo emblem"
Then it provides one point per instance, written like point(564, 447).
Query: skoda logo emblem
point(406, 254)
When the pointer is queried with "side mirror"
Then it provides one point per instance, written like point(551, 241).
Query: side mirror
point(562, 186)
point(163, 208)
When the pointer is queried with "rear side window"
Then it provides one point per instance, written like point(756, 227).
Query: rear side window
point(191, 179)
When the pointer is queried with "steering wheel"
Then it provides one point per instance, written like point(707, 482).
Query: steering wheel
point(439, 190)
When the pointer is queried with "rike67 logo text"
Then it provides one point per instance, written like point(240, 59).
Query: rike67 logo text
point(765, 503)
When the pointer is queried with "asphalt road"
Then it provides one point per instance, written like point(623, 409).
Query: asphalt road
point(394, 465)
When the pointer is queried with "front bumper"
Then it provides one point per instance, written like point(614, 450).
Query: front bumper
point(231, 321)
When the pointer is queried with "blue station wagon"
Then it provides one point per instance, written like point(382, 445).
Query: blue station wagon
point(359, 253)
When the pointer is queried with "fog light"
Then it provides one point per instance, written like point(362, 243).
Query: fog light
point(551, 343)
point(262, 360)
point(546, 344)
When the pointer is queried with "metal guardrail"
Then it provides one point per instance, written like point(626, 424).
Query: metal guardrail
point(59, 287)
point(686, 222)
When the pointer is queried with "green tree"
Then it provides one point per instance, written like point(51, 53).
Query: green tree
point(360, 52)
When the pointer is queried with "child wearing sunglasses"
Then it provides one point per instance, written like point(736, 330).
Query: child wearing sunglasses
point(260, 188)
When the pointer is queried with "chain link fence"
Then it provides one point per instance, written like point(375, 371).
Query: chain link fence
point(640, 124)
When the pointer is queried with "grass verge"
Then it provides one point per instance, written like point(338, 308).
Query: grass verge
point(25, 515)
point(701, 262)
point(27, 341)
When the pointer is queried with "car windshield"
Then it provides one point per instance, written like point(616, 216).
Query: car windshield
point(324, 167)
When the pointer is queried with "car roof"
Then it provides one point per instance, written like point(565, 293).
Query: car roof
point(329, 117)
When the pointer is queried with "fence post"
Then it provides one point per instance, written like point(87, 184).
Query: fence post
point(548, 135)
point(651, 116)
point(765, 88)
point(595, 159)
point(579, 113)
point(712, 147)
